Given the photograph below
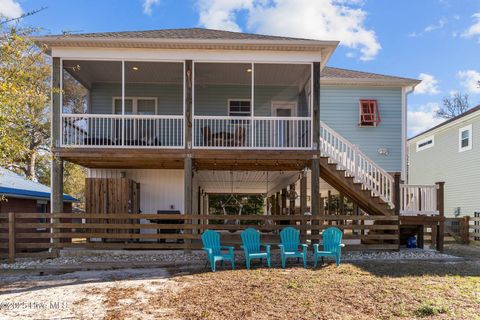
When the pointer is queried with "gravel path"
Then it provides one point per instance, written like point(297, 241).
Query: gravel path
point(78, 258)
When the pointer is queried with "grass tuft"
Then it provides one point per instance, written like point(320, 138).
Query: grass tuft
point(429, 309)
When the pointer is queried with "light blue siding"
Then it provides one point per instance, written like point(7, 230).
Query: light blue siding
point(213, 100)
point(170, 96)
point(339, 109)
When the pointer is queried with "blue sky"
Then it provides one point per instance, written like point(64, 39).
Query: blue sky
point(435, 40)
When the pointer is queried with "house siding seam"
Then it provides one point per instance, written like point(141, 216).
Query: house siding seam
point(444, 162)
point(339, 109)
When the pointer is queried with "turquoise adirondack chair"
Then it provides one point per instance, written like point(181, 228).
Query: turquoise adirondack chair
point(211, 244)
point(332, 246)
point(251, 246)
point(290, 244)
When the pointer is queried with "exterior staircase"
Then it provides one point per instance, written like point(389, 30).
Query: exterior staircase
point(347, 169)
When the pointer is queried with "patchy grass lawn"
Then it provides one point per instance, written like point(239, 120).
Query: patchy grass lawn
point(361, 291)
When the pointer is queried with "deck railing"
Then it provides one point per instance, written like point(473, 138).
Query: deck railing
point(356, 164)
point(100, 130)
point(418, 199)
point(217, 132)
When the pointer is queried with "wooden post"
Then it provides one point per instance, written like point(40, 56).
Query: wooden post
point(187, 205)
point(284, 201)
point(188, 103)
point(278, 209)
point(396, 192)
point(316, 108)
point(11, 237)
point(292, 199)
point(315, 198)
point(441, 212)
point(464, 229)
point(56, 197)
point(56, 201)
point(303, 202)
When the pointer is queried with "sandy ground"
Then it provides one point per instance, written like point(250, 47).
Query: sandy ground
point(117, 294)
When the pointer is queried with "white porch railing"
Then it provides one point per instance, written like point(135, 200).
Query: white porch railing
point(356, 164)
point(100, 130)
point(217, 132)
point(418, 199)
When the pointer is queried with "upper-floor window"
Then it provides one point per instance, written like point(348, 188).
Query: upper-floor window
point(369, 113)
point(136, 105)
point(465, 138)
point(425, 143)
point(239, 107)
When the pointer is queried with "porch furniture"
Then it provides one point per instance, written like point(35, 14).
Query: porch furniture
point(290, 244)
point(251, 247)
point(224, 138)
point(211, 245)
point(332, 238)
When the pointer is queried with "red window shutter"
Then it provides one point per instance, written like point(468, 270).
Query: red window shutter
point(369, 113)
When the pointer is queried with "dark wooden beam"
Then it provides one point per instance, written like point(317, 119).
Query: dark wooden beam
point(187, 171)
point(316, 106)
point(188, 103)
point(441, 214)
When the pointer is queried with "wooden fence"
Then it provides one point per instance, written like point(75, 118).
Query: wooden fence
point(463, 230)
point(20, 235)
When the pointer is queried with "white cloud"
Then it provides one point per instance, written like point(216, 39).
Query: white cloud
point(341, 20)
point(430, 28)
point(221, 14)
point(10, 9)
point(469, 79)
point(423, 118)
point(429, 85)
point(148, 4)
point(474, 29)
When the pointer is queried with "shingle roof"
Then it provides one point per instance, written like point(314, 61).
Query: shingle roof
point(186, 33)
point(12, 184)
point(460, 116)
point(337, 73)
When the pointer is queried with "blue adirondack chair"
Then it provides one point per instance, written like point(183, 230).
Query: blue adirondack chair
point(211, 244)
point(332, 246)
point(251, 247)
point(290, 244)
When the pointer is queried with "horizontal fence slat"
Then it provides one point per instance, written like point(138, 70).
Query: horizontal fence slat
point(154, 216)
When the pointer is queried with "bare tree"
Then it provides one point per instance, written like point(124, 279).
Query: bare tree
point(453, 106)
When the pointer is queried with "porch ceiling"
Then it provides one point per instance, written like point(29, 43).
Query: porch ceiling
point(244, 181)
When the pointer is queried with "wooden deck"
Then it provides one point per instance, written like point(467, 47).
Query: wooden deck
point(262, 160)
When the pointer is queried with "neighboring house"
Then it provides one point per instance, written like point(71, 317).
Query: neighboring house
point(185, 113)
point(22, 195)
point(450, 152)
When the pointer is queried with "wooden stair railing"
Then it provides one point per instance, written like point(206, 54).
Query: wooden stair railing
point(355, 164)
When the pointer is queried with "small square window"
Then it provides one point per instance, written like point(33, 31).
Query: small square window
point(239, 108)
point(465, 138)
point(369, 113)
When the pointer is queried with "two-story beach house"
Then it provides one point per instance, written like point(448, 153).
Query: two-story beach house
point(163, 119)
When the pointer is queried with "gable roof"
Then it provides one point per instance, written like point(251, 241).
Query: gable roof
point(188, 38)
point(183, 33)
point(16, 186)
point(449, 121)
point(345, 76)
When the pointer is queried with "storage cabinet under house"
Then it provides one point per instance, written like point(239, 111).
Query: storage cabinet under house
point(112, 196)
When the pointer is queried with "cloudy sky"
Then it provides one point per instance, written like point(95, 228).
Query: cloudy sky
point(437, 41)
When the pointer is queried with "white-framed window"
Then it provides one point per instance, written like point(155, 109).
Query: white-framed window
point(136, 105)
point(425, 143)
point(465, 138)
point(239, 107)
